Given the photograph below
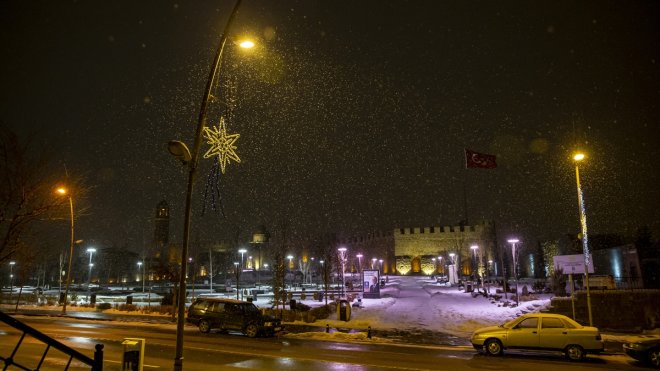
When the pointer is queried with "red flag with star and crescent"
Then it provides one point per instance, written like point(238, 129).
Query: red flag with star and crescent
point(479, 160)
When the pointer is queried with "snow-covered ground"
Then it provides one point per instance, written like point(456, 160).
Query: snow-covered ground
point(411, 303)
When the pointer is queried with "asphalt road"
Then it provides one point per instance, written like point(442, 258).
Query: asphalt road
point(234, 351)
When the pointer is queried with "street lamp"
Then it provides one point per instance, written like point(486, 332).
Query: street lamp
point(474, 249)
point(91, 252)
point(342, 260)
point(140, 267)
point(440, 264)
point(180, 150)
point(452, 268)
point(290, 257)
point(238, 277)
point(514, 253)
point(11, 278)
point(380, 267)
point(583, 223)
point(242, 251)
point(63, 191)
point(373, 262)
point(359, 256)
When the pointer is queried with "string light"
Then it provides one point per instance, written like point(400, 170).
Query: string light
point(222, 144)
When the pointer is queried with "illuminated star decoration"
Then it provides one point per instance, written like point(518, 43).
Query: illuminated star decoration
point(222, 145)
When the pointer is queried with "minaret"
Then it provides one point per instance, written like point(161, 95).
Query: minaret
point(162, 229)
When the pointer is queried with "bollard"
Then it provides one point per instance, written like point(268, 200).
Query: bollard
point(98, 358)
point(369, 332)
point(327, 328)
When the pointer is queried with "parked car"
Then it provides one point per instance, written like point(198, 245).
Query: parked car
point(231, 314)
point(646, 350)
point(540, 331)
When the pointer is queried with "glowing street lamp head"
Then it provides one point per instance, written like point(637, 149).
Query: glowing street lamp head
point(359, 256)
point(513, 240)
point(474, 247)
point(242, 251)
point(578, 156)
point(91, 250)
point(61, 190)
point(289, 257)
point(246, 44)
point(139, 264)
point(341, 249)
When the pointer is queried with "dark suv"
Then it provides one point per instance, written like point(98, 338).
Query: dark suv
point(231, 314)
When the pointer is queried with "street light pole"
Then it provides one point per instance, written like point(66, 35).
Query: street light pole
point(192, 168)
point(238, 277)
point(141, 268)
point(342, 260)
point(242, 251)
point(91, 252)
point(63, 191)
point(514, 254)
point(583, 223)
point(11, 278)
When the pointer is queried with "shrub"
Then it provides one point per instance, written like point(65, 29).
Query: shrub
point(103, 306)
point(558, 282)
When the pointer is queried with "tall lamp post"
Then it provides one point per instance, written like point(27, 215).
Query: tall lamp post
point(452, 268)
point(141, 268)
point(91, 252)
point(242, 251)
point(238, 277)
point(474, 249)
point(342, 261)
point(180, 150)
point(583, 223)
point(63, 191)
point(514, 253)
point(359, 256)
point(11, 278)
point(290, 257)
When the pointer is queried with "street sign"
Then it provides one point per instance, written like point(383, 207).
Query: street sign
point(572, 263)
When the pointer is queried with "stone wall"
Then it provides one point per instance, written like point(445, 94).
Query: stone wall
point(614, 309)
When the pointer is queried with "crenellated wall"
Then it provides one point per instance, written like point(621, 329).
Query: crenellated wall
point(415, 248)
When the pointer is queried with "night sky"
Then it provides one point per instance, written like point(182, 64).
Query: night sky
point(353, 115)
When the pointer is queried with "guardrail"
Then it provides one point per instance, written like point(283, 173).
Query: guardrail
point(96, 364)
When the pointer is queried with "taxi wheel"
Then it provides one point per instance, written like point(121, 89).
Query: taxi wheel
point(574, 352)
point(493, 347)
point(654, 357)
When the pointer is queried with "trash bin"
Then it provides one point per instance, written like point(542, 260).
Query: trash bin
point(133, 358)
point(343, 310)
point(92, 299)
point(129, 300)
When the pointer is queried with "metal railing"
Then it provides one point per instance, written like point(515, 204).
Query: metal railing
point(96, 364)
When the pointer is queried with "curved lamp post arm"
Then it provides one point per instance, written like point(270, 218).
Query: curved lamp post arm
point(192, 167)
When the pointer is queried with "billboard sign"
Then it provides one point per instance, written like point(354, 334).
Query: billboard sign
point(370, 284)
point(572, 263)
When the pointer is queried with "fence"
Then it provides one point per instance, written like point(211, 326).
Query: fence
point(96, 364)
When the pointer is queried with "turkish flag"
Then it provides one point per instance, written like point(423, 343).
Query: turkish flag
point(479, 160)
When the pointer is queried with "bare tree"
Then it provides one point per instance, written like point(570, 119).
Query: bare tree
point(26, 192)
